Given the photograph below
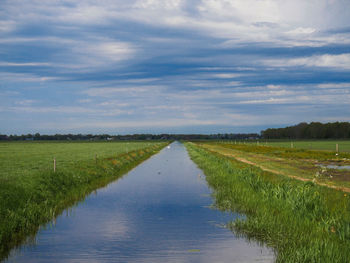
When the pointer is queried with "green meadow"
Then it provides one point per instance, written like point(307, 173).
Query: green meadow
point(327, 145)
point(32, 193)
point(19, 159)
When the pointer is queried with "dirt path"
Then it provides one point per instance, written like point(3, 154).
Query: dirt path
point(238, 158)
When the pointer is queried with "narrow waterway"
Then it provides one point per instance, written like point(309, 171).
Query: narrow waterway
point(158, 212)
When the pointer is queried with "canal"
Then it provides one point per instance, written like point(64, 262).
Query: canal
point(158, 212)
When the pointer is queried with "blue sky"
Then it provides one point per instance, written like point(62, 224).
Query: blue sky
point(176, 66)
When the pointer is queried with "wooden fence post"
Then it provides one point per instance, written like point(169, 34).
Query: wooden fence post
point(54, 165)
point(337, 148)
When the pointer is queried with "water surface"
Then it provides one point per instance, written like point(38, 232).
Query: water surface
point(158, 212)
point(332, 166)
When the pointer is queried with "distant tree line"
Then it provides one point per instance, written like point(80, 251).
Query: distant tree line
point(107, 137)
point(313, 130)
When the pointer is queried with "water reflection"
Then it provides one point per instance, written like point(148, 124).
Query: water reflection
point(157, 213)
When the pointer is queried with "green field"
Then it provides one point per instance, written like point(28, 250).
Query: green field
point(291, 162)
point(18, 159)
point(301, 220)
point(343, 145)
point(32, 194)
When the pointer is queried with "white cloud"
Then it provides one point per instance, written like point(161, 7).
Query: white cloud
point(114, 51)
point(25, 102)
point(8, 93)
point(95, 53)
point(114, 103)
point(141, 123)
point(233, 83)
point(7, 26)
point(242, 20)
point(86, 14)
point(344, 85)
point(142, 80)
point(301, 31)
point(248, 10)
point(25, 77)
point(334, 61)
point(341, 61)
point(227, 75)
point(66, 110)
point(84, 100)
point(30, 64)
point(273, 86)
point(158, 4)
point(107, 92)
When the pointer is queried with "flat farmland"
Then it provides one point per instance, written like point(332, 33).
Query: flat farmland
point(18, 159)
point(327, 145)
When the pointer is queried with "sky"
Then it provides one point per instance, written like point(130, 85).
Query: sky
point(178, 66)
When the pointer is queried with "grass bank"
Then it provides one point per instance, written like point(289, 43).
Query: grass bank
point(32, 194)
point(302, 221)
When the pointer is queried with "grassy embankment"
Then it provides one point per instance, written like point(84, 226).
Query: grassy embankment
point(32, 194)
point(302, 221)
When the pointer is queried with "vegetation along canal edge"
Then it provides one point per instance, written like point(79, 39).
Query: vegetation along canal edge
point(302, 221)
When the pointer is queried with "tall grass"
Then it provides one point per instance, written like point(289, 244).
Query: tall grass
point(303, 222)
point(30, 201)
